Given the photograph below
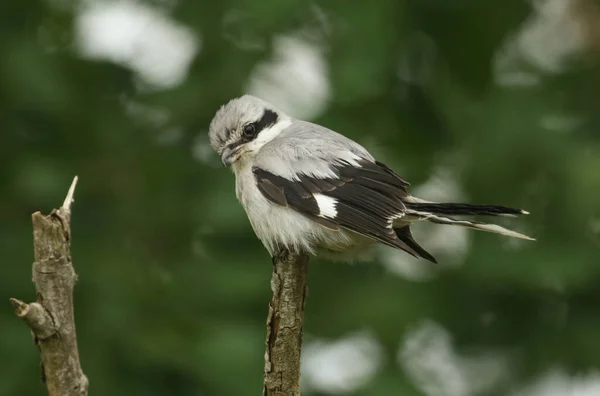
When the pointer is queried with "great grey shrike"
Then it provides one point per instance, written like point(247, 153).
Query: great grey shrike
point(307, 188)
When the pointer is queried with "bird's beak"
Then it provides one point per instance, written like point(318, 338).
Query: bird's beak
point(229, 155)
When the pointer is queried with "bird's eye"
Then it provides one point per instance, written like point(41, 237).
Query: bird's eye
point(249, 130)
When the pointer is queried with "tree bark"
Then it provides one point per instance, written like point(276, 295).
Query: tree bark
point(284, 324)
point(51, 317)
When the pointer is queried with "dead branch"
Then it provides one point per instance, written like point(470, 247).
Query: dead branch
point(51, 317)
point(284, 325)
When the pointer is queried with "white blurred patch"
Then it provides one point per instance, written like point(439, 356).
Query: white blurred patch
point(557, 382)
point(593, 230)
point(144, 114)
point(203, 152)
point(545, 42)
point(295, 79)
point(199, 248)
point(341, 366)
point(561, 123)
point(452, 243)
point(152, 117)
point(169, 136)
point(417, 59)
point(137, 36)
point(428, 358)
point(317, 27)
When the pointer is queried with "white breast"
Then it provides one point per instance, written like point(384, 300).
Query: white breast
point(277, 226)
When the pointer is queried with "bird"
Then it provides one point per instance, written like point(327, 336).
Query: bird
point(307, 188)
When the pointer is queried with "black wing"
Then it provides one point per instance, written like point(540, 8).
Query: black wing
point(368, 199)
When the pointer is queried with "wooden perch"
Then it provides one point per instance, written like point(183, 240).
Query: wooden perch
point(51, 317)
point(284, 325)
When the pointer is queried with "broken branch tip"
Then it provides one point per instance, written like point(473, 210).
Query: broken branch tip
point(69, 198)
point(19, 306)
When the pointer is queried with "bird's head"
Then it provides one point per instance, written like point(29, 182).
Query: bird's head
point(242, 126)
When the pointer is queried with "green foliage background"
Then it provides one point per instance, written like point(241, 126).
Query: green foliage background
point(173, 285)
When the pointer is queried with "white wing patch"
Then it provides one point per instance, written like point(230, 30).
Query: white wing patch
point(327, 206)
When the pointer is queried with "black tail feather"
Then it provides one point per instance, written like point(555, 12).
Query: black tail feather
point(458, 209)
point(405, 236)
